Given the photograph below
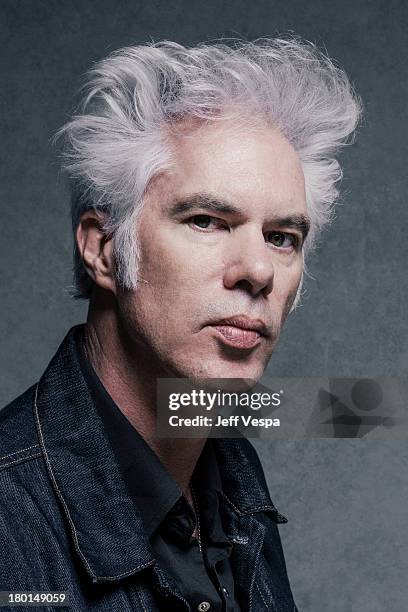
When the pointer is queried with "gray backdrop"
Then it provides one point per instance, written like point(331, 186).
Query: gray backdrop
point(346, 542)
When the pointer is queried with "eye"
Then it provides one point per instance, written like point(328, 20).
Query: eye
point(202, 221)
point(206, 222)
point(281, 240)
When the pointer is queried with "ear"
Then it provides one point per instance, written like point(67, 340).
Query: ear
point(96, 250)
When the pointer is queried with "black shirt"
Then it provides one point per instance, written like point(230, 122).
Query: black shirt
point(200, 567)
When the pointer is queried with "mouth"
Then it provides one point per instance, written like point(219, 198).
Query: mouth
point(240, 331)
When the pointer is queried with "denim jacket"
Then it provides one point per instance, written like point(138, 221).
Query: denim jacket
point(67, 522)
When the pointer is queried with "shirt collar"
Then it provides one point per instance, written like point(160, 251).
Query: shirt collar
point(105, 524)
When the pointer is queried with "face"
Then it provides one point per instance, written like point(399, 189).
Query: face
point(220, 253)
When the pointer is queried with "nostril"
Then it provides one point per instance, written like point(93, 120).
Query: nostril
point(245, 285)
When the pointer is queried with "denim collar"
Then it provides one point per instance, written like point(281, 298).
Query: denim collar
point(104, 523)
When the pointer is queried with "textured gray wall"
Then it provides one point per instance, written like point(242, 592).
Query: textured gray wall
point(347, 539)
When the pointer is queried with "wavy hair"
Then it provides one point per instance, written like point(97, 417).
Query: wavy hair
point(116, 142)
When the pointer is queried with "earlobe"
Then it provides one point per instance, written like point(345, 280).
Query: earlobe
point(96, 250)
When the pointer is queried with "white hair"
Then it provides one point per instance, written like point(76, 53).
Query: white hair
point(117, 143)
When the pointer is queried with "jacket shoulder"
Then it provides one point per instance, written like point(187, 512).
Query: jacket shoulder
point(18, 434)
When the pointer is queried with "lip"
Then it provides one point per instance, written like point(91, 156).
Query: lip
point(240, 331)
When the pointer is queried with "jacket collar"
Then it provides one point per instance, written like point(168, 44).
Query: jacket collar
point(106, 527)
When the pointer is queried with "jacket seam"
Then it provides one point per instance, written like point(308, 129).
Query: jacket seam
point(262, 597)
point(126, 573)
point(231, 504)
point(243, 512)
point(20, 451)
point(61, 497)
point(257, 508)
point(21, 460)
point(141, 602)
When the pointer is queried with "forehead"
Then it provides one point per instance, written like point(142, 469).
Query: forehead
point(250, 164)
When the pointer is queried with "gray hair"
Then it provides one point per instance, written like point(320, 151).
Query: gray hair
point(116, 143)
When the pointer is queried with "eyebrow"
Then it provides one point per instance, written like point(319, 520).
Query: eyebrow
point(299, 222)
point(204, 201)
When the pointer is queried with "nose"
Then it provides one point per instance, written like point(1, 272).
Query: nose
point(250, 263)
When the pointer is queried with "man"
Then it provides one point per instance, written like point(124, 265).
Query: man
point(201, 177)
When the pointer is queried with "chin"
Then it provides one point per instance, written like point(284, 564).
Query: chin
point(245, 372)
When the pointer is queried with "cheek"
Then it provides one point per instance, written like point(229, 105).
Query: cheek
point(288, 305)
point(176, 274)
point(167, 261)
point(168, 294)
point(285, 290)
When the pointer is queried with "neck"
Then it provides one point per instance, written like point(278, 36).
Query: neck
point(129, 371)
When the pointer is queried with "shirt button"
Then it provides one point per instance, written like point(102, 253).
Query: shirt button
point(225, 591)
point(203, 606)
